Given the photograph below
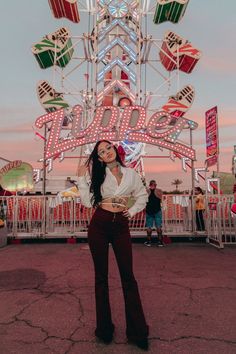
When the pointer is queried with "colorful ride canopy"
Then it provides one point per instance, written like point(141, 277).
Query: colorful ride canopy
point(17, 176)
point(179, 104)
point(65, 8)
point(170, 10)
point(178, 53)
point(55, 48)
point(49, 98)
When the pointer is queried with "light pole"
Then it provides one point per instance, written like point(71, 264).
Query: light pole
point(44, 160)
point(193, 183)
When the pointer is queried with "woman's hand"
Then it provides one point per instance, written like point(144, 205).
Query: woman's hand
point(81, 171)
point(127, 214)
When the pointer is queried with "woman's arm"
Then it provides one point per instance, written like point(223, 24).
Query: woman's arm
point(85, 195)
point(140, 194)
point(158, 193)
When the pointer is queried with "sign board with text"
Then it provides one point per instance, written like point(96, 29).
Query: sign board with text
point(212, 146)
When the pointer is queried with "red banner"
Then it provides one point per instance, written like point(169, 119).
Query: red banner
point(212, 148)
point(211, 161)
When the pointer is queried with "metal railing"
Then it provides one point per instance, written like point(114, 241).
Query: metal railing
point(221, 226)
point(46, 217)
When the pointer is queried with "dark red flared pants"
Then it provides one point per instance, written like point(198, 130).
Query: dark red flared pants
point(107, 227)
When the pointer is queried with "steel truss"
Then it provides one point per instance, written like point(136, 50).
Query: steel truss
point(126, 48)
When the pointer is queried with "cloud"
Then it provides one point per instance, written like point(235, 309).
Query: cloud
point(226, 117)
point(18, 118)
point(219, 64)
point(18, 128)
point(19, 151)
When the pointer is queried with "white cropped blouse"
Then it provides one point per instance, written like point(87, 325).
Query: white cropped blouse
point(130, 185)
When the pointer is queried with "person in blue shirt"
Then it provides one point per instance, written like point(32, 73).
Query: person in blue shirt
point(154, 214)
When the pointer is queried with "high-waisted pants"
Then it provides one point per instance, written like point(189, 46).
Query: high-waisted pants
point(200, 220)
point(107, 227)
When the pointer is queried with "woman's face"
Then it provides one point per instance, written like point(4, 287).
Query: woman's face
point(106, 152)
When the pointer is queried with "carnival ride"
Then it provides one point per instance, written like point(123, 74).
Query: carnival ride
point(112, 64)
point(65, 8)
point(118, 75)
point(49, 98)
point(178, 52)
point(54, 49)
point(170, 10)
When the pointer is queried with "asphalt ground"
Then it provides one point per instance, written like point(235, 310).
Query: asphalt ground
point(47, 302)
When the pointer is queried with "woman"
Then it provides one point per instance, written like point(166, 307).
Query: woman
point(111, 186)
point(200, 208)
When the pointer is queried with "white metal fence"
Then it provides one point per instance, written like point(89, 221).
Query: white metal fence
point(44, 217)
point(221, 227)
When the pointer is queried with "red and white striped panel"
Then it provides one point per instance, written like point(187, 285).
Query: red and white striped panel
point(65, 8)
point(178, 52)
point(168, 59)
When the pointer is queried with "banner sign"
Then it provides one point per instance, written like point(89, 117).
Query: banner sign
point(110, 123)
point(9, 166)
point(211, 161)
point(212, 148)
point(17, 176)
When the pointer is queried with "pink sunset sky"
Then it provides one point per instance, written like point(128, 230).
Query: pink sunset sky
point(209, 25)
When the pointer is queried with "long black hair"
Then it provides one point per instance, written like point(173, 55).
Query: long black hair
point(98, 172)
point(199, 189)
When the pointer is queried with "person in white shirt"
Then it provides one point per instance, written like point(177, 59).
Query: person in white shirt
point(106, 184)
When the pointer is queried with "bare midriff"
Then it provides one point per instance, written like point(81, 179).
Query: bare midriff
point(114, 204)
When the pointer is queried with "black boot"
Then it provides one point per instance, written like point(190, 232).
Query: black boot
point(160, 238)
point(141, 343)
point(107, 337)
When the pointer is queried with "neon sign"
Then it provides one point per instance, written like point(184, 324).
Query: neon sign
point(109, 123)
point(17, 176)
point(9, 166)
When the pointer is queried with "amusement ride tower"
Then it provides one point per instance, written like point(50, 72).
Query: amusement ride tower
point(116, 63)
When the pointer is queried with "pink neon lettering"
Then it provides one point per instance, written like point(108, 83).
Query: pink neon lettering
point(131, 123)
point(104, 126)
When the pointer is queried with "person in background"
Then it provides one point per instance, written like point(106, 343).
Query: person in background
point(154, 214)
point(233, 206)
point(200, 208)
point(109, 190)
point(185, 203)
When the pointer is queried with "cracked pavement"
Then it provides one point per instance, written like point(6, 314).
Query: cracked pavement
point(47, 299)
